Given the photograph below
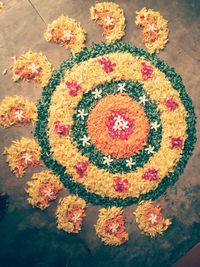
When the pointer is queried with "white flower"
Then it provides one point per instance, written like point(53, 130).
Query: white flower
point(27, 157)
point(114, 227)
point(76, 217)
point(121, 87)
point(34, 68)
point(130, 163)
point(150, 149)
point(143, 99)
point(151, 27)
point(155, 125)
point(120, 123)
point(19, 115)
point(81, 113)
point(108, 21)
point(67, 34)
point(97, 93)
point(48, 192)
point(85, 140)
point(153, 218)
point(107, 160)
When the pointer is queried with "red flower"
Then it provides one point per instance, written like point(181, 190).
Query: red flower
point(147, 71)
point(73, 87)
point(81, 168)
point(177, 142)
point(61, 128)
point(120, 185)
point(108, 66)
point(150, 175)
point(170, 103)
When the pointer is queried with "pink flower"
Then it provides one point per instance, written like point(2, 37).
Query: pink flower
point(177, 142)
point(170, 103)
point(61, 128)
point(81, 168)
point(107, 65)
point(150, 175)
point(147, 71)
point(120, 185)
point(73, 88)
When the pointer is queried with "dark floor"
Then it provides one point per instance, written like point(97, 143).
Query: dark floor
point(28, 237)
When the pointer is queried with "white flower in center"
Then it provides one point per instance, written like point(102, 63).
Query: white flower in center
point(27, 158)
point(34, 68)
point(108, 21)
point(76, 218)
point(114, 227)
point(153, 218)
point(151, 27)
point(19, 115)
point(48, 192)
point(120, 123)
point(67, 34)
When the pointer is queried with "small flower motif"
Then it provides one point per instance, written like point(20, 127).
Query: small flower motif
point(19, 115)
point(61, 128)
point(170, 103)
point(107, 160)
point(82, 114)
point(76, 217)
point(27, 158)
point(150, 175)
point(150, 149)
point(120, 185)
point(147, 71)
point(67, 34)
point(153, 218)
point(97, 93)
point(155, 125)
point(85, 140)
point(130, 163)
point(121, 87)
point(114, 227)
point(81, 168)
point(176, 142)
point(73, 88)
point(108, 21)
point(143, 100)
point(107, 65)
point(151, 27)
point(34, 68)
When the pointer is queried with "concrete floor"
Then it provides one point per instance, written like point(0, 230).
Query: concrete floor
point(28, 237)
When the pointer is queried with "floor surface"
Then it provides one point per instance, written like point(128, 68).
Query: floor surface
point(28, 237)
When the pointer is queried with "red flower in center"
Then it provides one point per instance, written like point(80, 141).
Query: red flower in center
point(61, 128)
point(81, 168)
point(120, 185)
point(170, 103)
point(177, 142)
point(107, 65)
point(150, 175)
point(73, 88)
point(147, 71)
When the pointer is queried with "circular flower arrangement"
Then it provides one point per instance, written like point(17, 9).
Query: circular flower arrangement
point(115, 125)
point(125, 135)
